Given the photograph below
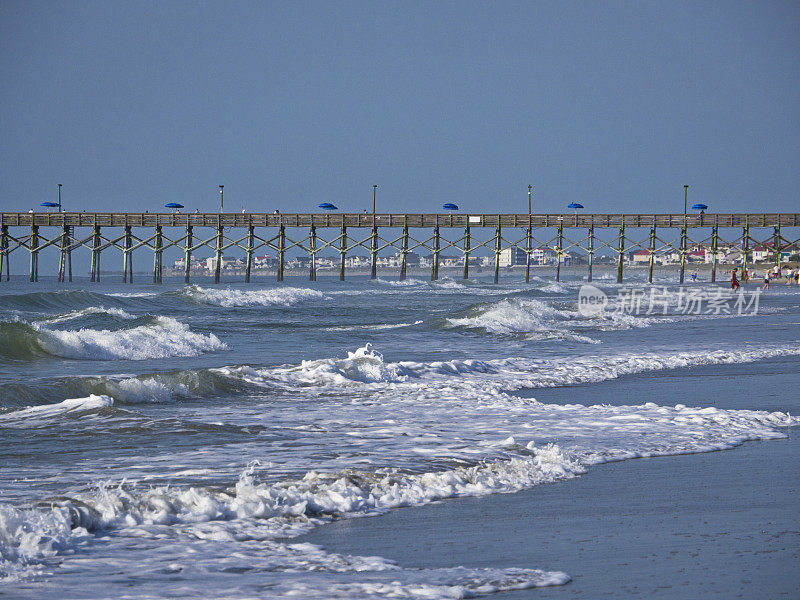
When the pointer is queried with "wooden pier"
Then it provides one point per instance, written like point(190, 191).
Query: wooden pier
point(281, 233)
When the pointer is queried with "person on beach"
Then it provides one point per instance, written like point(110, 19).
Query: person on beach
point(745, 275)
point(694, 276)
point(766, 280)
point(734, 281)
point(789, 277)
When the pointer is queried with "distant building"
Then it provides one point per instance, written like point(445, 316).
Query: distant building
point(543, 255)
point(512, 256)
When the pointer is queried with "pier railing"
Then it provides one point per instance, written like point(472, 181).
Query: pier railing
point(531, 237)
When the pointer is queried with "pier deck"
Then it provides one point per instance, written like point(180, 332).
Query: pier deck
point(529, 233)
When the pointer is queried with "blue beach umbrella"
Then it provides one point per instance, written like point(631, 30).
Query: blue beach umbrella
point(576, 206)
point(173, 205)
point(50, 204)
point(450, 206)
point(327, 206)
point(699, 207)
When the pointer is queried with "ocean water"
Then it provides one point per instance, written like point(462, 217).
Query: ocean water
point(173, 441)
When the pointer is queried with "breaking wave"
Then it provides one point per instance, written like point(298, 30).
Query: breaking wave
point(156, 337)
point(365, 366)
point(230, 297)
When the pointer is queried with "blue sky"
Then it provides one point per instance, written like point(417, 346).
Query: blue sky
point(615, 105)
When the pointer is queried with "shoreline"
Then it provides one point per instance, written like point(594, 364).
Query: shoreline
point(720, 524)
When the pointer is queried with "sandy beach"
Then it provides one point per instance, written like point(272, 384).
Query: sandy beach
point(714, 525)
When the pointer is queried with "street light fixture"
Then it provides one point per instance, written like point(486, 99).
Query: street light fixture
point(221, 200)
point(685, 199)
point(374, 192)
point(530, 187)
point(59, 197)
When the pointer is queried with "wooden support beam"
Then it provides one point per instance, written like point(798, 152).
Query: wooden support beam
point(559, 249)
point(404, 251)
point(187, 254)
point(652, 249)
point(684, 250)
point(342, 252)
point(218, 255)
point(4, 251)
point(776, 245)
point(466, 250)
point(62, 255)
point(281, 251)
point(373, 253)
point(591, 252)
point(157, 252)
point(95, 266)
point(34, 266)
point(435, 262)
point(745, 245)
point(126, 255)
point(312, 275)
point(250, 243)
point(497, 249)
point(70, 233)
point(529, 251)
point(620, 253)
point(714, 249)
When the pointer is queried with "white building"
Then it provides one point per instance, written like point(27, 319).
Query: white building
point(512, 256)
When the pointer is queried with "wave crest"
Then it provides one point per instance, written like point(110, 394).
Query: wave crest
point(230, 297)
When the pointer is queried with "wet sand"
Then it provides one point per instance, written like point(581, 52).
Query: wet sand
point(715, 525)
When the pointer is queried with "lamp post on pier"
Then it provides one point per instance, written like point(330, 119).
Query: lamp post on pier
point(221, 199)
point(685, 200)
point(374, 193)
point(59, 197)
point(530, 187)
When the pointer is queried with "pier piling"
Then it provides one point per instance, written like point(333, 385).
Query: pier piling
point(187, 255)
point(714, 250)
point(683, 250)
point(250, 243)
point(312, 274)
point(34, 270)
point(404, 250)
point(373, 252)
point(435, 256)
point(591, 252)
point(498, 239)
point(4, 251)
point(559, 250)
point(466, 250)
point(281, 251)
point(620, 253)
point(157, 252)
point(342, 251)
point(218, 254)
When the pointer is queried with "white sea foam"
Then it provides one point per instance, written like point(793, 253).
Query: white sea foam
point(366, 366)
point(230, 297)
point(163, 338)
point(282, 508)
